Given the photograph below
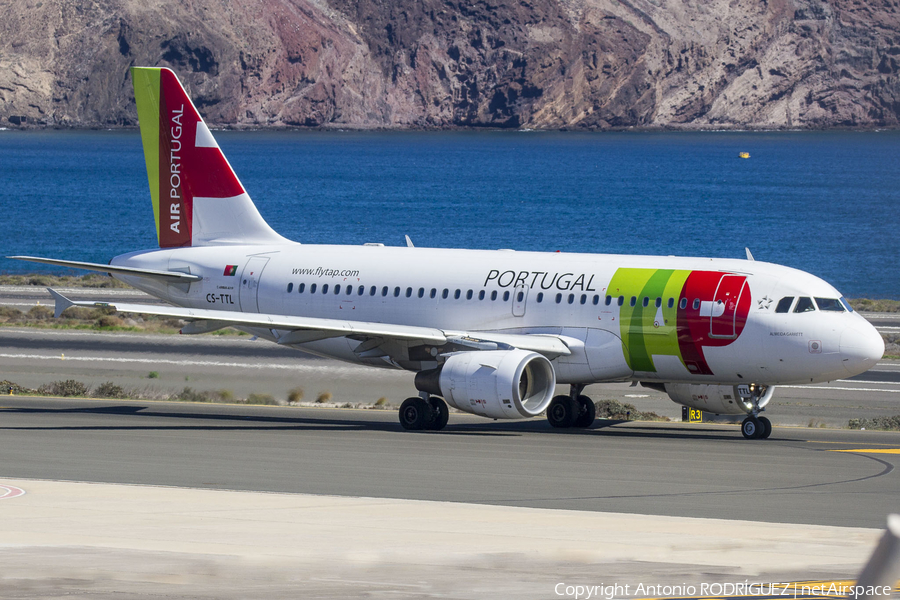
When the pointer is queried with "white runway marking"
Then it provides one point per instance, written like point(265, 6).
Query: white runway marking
point(10, 491)
point(861, 381)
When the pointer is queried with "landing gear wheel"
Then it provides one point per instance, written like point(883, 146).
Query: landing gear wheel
point(752, 428)
point(415, 414)
point(766, 428)
point(562, 412)
point(586, 412)
point(440, 413)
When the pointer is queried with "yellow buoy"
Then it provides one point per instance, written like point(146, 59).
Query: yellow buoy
point(744, 155)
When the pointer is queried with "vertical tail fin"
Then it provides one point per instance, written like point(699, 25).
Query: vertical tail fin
point(197, 198)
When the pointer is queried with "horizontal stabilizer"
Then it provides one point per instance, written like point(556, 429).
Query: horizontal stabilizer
point(169, 276)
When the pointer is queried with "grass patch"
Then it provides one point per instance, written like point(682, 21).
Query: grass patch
point(66, 388)
point(295, 395)
point(324, 397)
point(92, 280)
point(877, 424)
point(622, 411)
point(110, 390)
point(153, 375)
point(868, 305)
point(264, 399)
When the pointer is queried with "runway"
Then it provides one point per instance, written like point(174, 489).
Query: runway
point(800, 475)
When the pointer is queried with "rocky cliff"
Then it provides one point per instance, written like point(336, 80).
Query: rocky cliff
point(583, 64)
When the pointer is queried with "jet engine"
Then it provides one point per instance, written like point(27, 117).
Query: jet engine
point(499, 384)
point(720, 399)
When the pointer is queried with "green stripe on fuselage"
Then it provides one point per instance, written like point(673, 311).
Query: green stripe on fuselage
point(644, 333)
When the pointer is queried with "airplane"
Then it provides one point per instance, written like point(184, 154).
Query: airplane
point(487, 332)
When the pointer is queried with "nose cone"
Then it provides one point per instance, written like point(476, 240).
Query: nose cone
point(861, 348)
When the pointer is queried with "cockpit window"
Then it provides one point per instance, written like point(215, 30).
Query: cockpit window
point(784, 305)
point(804, 304)
point(846, 304)
point(832, 304)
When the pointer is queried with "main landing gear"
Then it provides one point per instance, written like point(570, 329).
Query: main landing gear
point(574, 410)
point(420, 414)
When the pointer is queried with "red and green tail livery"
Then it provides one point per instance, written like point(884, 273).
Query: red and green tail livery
point(197, 198)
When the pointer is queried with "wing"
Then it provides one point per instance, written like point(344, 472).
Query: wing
point(298, 330)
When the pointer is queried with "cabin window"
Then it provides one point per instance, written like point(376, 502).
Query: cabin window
point(290, 288)
point(633, 300)
point(324, 288)
point(784, 305)
point(456, 295)
point(337, 289)
point(658, 302)
point(312, 289)
point(830, 304)
point(520, 296)
point(621, 300)
point(445, 293)
point(804, 304)
point(608, 300)
point(362, 290)
point(683, 304)
point(671, 302)
point(481, 295)
point(505, 296)
point(696, 303)
point(372, 290)
point(583, 298)
point(558, 298)
point(571, 298)
point(646, 301)
point(384, 291)
point(300, 288)
point(493, 295)
point(433, 293)
point(469, 295)
point(397, 292)
point(596, 299)
point(421, 292)
point(409, 292)
point(540, 297)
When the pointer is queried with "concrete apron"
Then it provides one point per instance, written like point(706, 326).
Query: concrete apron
point(123, 540)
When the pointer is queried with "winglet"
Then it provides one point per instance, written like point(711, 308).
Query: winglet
point(62, 303)
point(749, 256)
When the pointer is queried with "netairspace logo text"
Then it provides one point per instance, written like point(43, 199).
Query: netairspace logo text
point(745, 589)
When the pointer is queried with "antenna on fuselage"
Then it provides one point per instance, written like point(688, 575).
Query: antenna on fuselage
point(409, 243)
point(749, 256)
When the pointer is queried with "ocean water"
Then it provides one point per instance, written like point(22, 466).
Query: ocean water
point(824, 202)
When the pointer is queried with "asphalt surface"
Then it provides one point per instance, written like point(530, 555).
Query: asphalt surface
point(800, 475)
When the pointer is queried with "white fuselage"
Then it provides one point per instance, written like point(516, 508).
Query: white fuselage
point(529, 292)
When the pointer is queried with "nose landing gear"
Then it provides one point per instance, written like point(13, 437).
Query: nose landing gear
point(756, 428)
point(754, 398)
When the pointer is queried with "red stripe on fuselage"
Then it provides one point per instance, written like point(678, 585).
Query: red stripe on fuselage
point(694, 330)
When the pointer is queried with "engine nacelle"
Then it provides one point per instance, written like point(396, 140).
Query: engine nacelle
point(500, 384)
point(719, 399)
